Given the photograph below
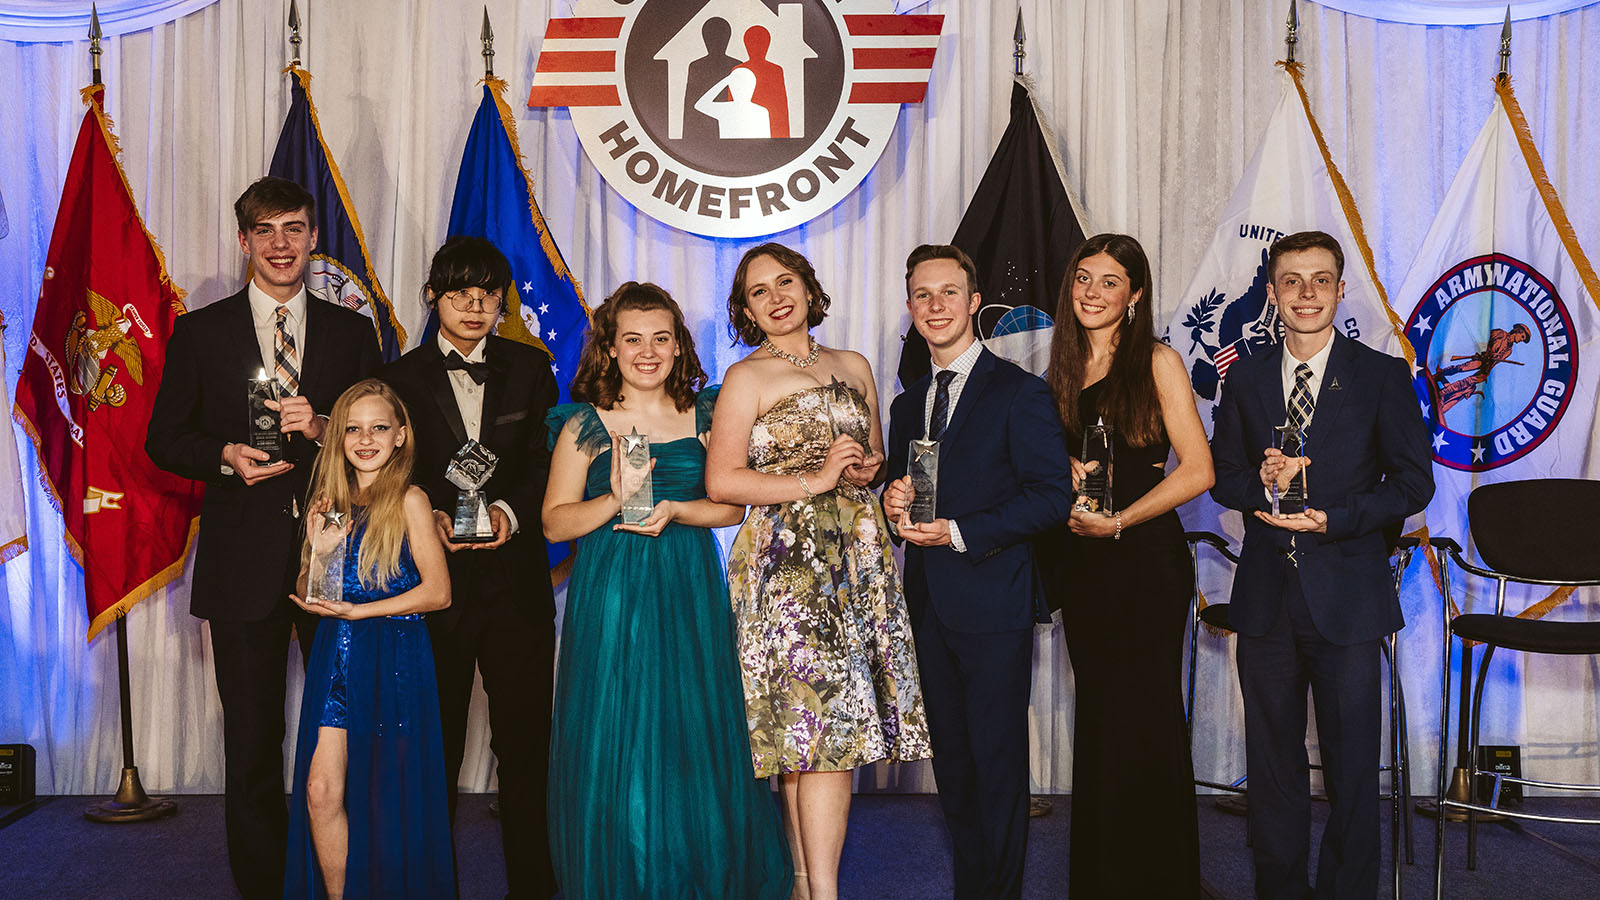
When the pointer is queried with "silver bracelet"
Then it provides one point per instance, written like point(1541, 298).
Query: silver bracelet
point(1118, 535)
point(810, 494)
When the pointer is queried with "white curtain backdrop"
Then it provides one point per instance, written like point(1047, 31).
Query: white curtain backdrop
point(1155, 105)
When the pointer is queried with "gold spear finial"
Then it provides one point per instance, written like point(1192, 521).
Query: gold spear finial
point(95, 35)
point(294, 34)
point(487, 36)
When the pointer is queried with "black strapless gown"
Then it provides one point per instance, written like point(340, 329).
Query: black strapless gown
point(1125, 609)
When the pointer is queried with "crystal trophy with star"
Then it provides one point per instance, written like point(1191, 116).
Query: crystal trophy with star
point(1290, 439)
point(1094, 491)
point(637, 506)
point(922, 466)
point(265, 432)
point(325, 568)
point(469, 470)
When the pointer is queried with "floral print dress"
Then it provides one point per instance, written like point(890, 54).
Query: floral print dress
point(825, 647)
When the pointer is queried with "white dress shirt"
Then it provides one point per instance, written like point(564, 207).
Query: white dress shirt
point(1318, 363)
point(264, 318)
point(962, 366)
point(469, 401)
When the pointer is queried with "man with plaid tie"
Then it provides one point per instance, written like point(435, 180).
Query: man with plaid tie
point(971, 583)
point(248, 548)
point(1313, 596)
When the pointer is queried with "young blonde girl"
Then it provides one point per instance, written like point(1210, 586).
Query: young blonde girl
point(368, 815)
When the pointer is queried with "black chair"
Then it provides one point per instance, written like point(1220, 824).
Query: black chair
point(1399, 766)
point(1553, 547)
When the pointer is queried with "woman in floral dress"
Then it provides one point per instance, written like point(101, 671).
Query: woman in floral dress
point(825, 647)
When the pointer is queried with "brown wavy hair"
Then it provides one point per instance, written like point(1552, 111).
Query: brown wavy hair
point(1130, 402)
point(599, 380)
point(740, 323)
point(333, 477)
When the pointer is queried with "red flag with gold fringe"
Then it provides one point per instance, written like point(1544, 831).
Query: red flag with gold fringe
point(94, 360)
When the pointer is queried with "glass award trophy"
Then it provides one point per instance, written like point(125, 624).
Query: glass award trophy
point(922, 465)
point(265, 425)
point(469, 470)
point(1290, 439)
point(325, 570)
point(1094, 493)
point(637, 506)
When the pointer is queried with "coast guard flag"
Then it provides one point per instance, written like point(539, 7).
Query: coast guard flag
point(1506, 330)
point(1289, 185)
point(95, 356)
point(13, 519)
point(494, 199)
point(341, 268)
point(1021, 232)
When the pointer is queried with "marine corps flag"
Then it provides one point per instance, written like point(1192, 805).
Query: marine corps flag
point(1506, 330)
point(1021, 232)
point(94, 359)
point(341, 268)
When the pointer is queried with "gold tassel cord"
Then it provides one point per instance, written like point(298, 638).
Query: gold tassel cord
point(1347, 201)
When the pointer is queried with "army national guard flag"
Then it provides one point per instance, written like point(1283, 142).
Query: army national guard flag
point(1290, 185)
point(341, 268)
point(494, 199)
point(1021, 232)
point(94, 360)
point(13, 518)
point(1506, 330)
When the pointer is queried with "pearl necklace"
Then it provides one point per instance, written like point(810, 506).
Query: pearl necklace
point(810, 360)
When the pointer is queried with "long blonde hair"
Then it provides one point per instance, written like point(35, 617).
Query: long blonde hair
point(334, 478)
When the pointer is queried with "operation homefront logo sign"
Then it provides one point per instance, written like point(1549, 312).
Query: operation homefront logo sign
point(735, 118)
point(1496, 362)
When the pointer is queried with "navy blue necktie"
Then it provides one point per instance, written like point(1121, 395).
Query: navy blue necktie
point(941, 405)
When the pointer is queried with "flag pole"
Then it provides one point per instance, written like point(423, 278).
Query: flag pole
point(1292, 32)
point(294, 35)
point(131, 803)
point(1019, 37)
point(486, 35)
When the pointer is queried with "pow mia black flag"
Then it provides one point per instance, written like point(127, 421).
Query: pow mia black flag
point(1021, 231)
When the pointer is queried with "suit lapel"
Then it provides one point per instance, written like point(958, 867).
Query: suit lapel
point(242, 331)
point(977, 380)
point(1337, 381)
point(493, 388)
point(438, 382)
point(310, 341)
point(1271, 388)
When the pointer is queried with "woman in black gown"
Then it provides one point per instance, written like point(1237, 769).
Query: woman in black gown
point(1128, 580)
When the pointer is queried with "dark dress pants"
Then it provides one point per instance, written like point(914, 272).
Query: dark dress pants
point(1275, 670)
point(252, 662)
point(515, 652)
point(975, 689)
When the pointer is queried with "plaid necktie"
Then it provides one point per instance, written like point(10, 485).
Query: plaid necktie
point(941, 405)
point(286, 360)
point(1301, 406)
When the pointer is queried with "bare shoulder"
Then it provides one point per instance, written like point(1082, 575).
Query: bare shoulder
point(417, 502)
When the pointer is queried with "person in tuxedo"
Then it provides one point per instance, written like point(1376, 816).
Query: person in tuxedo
point(1313, 595)
point(470, 384)
point(970, 581)
point(247, 554)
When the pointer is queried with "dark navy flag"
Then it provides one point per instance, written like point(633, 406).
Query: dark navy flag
point(494, 199)
point(1021, 231)
point(341, 268)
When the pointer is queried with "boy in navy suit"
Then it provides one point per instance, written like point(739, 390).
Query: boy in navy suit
point(970, 582)
point(1313, 595)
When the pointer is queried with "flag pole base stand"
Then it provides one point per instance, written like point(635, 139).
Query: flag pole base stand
point(1429, 807)
point(131, 804)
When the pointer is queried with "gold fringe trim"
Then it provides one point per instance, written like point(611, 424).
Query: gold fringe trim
point(14, 549)
point(49, 486)
point(94, 96)
point(155, 583)
point(1201, 603)
point(304, 77)
point(1296, 72)
point(511, 326)
point(1547, 191)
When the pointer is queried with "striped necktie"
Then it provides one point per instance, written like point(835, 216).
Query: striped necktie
point(941, 405)
point(1301, 403)
point(285, 358)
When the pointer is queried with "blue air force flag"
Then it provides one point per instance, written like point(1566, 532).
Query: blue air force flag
point(1505, 326)
point(494, 199)
point(1289, 185)
point(341, 268)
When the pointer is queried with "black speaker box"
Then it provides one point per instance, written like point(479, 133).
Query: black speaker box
point(16, 773)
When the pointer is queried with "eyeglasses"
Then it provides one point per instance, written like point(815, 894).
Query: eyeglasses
point(461, 301)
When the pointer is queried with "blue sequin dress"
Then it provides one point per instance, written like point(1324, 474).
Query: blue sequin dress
point(651, 793)
point(374, 678)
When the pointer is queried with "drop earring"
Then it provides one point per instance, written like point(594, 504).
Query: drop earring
point(1130, 313)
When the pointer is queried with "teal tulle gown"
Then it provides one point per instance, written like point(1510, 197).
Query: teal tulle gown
point(651, 793)
point(374, 678)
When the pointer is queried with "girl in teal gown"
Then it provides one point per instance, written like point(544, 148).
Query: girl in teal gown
point(651, 793)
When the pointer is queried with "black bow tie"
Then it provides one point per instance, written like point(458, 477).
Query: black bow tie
point(479, 372)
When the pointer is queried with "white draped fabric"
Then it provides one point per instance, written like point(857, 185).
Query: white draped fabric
point(1155, 104)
